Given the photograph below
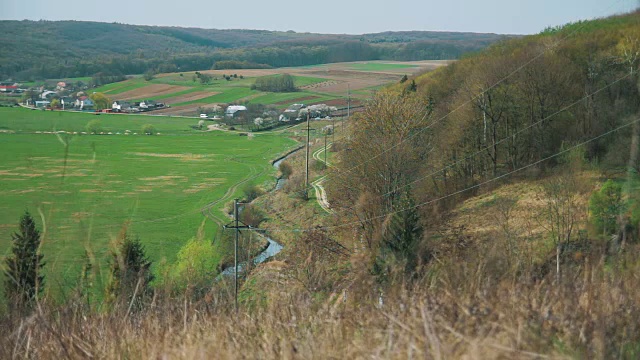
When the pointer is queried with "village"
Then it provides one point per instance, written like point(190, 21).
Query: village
point(68, 96)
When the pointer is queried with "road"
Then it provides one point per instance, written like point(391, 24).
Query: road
point(321, 194)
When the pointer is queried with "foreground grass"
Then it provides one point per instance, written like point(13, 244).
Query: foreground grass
point(593, 316)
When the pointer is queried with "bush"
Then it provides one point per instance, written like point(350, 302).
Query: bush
point(148, 129)
point(285, 169)
point(94, 127)
point(605, 206)
point(252, 216)
point(196, 264)
point(251, 192)
point(149, 75)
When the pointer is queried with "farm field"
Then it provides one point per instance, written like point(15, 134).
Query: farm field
point(318, 84)
point(155, 186)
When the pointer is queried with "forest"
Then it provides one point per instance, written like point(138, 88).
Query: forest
point(37, 50)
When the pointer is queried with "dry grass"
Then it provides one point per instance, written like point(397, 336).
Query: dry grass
point(592, 316)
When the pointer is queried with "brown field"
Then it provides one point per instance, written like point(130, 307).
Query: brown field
point(341, 76)
point(151, 91)
point(189, 97)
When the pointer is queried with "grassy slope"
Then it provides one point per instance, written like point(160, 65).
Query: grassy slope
point(156, 183)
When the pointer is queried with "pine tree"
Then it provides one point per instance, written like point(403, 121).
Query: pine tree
point(24, 279)
point(400, 239)
point(130, 269)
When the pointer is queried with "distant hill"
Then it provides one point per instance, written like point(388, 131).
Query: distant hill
point(55, 49)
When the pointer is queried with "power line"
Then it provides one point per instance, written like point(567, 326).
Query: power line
point(466, 189)
point(518, 69)
point(512, 135)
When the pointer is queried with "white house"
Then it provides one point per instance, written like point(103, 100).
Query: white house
point(147, 104)
point(120, 106)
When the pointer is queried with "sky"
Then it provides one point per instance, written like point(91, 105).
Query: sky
point(326, 16)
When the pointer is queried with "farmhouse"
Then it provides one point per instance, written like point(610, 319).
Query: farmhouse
point(84, 102)
point(147, 104)
point(234, 110)
point(8, 87)
point(61, 85)
point(120, 106)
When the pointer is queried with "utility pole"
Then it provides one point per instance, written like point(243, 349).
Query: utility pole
point(348, 105)
point(325, 150)
point(333, 129)
point(237, 227)
point(306, 187)
point(235, 252)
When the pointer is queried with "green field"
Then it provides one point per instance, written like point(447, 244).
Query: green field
point(23, 120)
point(378, 66)
point(154, 185)
point(228, 91)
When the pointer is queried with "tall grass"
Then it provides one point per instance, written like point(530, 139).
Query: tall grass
point(592, 313)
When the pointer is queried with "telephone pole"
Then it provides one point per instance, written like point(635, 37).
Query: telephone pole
point(325, 150)
point(306, 187)
point(237, 227)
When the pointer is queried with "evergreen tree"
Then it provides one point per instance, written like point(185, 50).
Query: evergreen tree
point(24, 279)
point(413, 86)
point(404, 79)
point(400, 239)
point(130, 269)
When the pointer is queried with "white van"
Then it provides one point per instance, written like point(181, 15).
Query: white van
point(203, 116)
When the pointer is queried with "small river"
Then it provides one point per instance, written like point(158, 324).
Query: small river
point(273, 247)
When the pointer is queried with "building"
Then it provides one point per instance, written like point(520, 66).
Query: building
point(121, 106)
point(8, 87)
point(48, 94)
point(234, 110)
point(83, 103)
point(147, 105)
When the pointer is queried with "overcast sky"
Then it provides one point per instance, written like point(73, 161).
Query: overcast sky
point(326, 16)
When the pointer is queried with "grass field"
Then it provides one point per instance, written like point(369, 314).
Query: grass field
point(155, 184)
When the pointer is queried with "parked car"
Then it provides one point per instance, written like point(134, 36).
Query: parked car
point(203, 116)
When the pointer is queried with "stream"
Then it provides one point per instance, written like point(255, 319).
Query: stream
point(273, 247)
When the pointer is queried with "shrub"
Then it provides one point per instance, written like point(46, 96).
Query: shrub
point(251, 192)
point(94, 127)
point(252, 216)
point(148, 129)
point(605, 206)
point(285, 169)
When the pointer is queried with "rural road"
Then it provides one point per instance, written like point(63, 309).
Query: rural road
point(321, 194)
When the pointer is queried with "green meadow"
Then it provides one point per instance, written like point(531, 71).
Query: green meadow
point(154, 186)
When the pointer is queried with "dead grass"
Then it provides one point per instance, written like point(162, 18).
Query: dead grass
point(593, 316)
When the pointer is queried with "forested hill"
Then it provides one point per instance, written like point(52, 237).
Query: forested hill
point(56, 49)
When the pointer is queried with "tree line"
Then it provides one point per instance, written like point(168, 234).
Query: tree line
point(70, 49)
